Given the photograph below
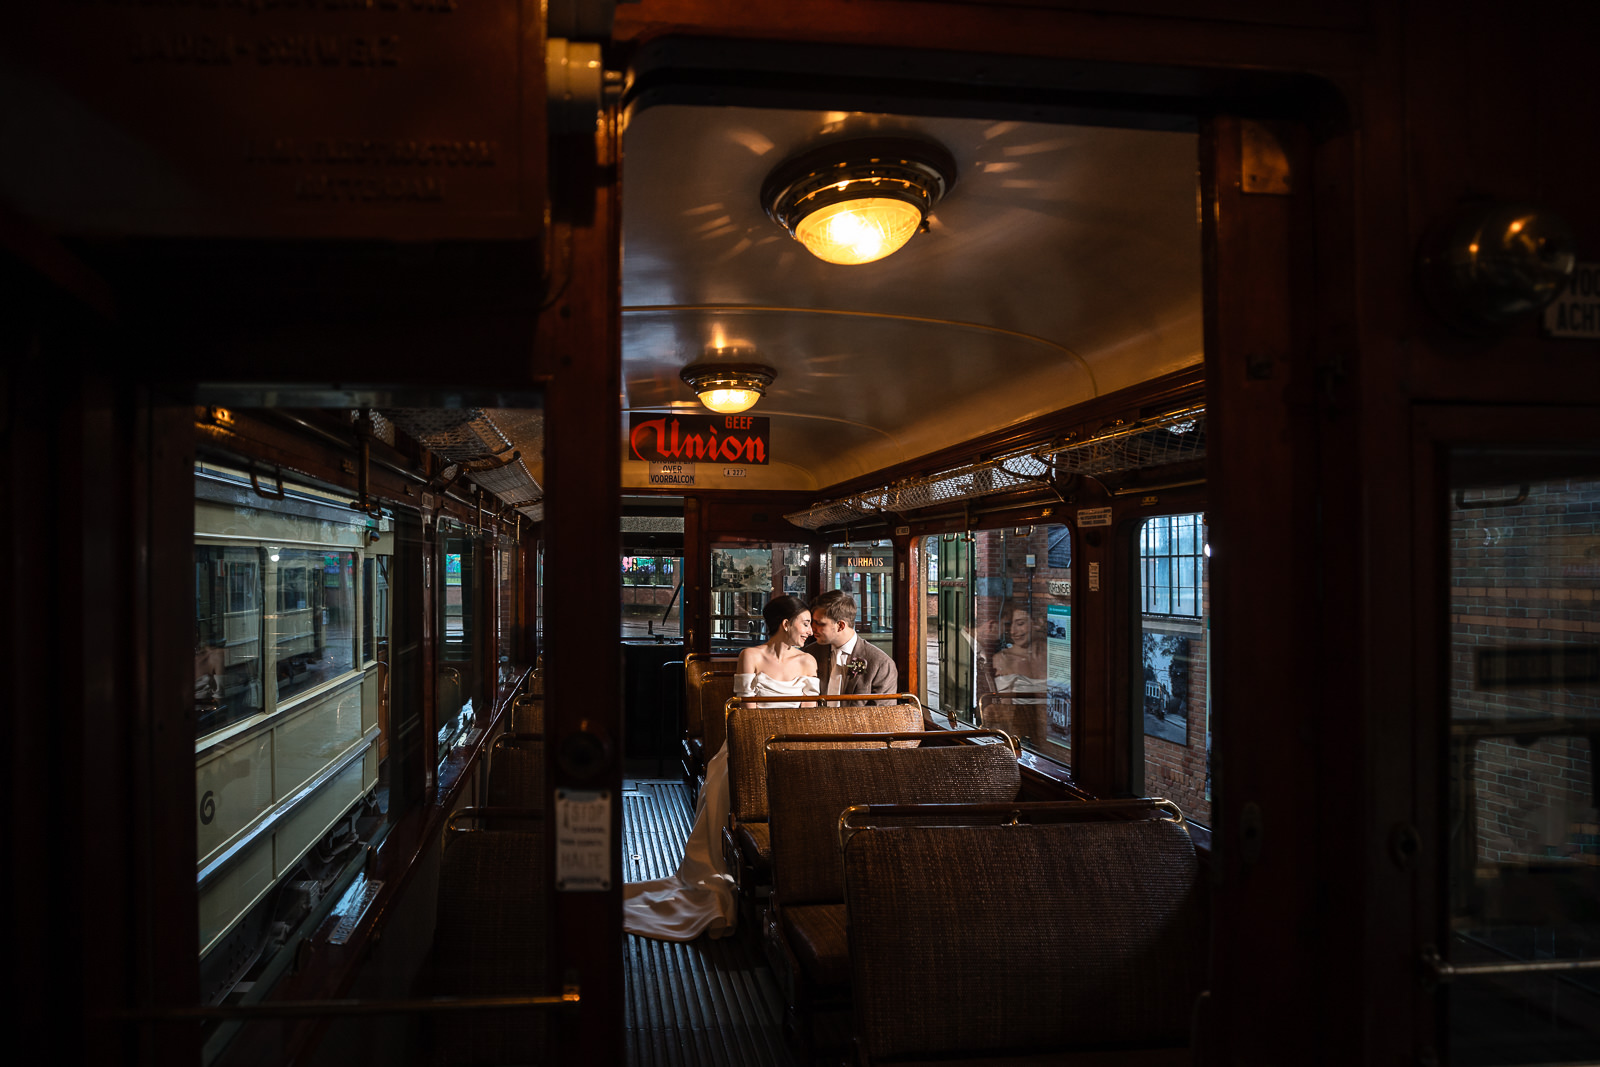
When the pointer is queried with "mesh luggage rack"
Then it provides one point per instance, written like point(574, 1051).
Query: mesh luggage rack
point(1174, 438)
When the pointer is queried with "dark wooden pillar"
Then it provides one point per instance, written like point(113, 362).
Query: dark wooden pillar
point(580, 345)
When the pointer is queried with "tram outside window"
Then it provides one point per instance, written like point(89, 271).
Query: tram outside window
point(744, 577)
point(508, 623)
point(999, 606)
point(865, 570)
point(375, 607)
point(1523, 824)
point(458, 689)
point(314, 629)
point(290, 778)
point(651, 595)
point(1173, 689)
point(227, 626)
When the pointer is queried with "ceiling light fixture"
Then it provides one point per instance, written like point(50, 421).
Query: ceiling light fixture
point(728, 388)
point(858, 201)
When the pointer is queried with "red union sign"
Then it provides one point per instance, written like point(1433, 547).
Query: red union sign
point(698, 438)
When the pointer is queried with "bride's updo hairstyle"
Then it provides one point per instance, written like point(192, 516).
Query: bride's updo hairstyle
point(781, 609)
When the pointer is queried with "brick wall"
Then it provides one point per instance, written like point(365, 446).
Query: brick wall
point(1180, 772)
point(1524, 577)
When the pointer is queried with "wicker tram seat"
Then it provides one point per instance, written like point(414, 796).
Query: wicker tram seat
point(516, 777)
point(707, 685)
point(750, 721)
point(490, 941)
point(1063, 942)
point(808, 787)
point(527, 713)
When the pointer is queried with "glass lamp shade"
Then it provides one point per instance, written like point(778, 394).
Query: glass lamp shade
point(858, 231)
point(730, 401)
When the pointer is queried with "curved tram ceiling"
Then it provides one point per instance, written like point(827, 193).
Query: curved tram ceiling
point(1063, 265)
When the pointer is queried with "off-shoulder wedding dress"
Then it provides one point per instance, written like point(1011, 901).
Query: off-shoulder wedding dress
point(699, 898)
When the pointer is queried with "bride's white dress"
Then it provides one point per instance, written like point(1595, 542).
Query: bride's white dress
point(699, 898)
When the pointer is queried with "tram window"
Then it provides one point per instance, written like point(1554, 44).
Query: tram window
point(1523, 825)
point(744, 577)
point(376, 596)
point(313, 630)
point(1173, 690)
point(509, 624)
point(1000, 634)
point(458, 690)
point(227, 630)
point(651, 595)
point(865, 570)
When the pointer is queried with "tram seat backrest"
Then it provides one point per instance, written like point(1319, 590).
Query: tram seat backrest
point(490, 940)
point(1028, 940)
point(749, 727)
point(527, 714)
point(745, 839)
point(707, 685)
point(809, 786)
point(716, 686)
point(516, 776)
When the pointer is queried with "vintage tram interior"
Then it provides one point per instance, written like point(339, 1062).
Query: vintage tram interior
point(1213, 451)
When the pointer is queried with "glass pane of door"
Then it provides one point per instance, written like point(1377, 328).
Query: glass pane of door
point(1523, 820)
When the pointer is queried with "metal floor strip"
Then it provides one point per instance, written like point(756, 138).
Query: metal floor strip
point(703, 1003)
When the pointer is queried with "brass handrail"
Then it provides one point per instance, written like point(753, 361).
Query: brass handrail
point(1060, 810)
point(507, 739)
point(886, 699)
point(888, 738)
point(1443, 971)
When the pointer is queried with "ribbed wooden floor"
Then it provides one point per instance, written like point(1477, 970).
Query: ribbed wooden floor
point(701, 1003)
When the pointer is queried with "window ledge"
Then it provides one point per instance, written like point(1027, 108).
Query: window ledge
point(1049, 776)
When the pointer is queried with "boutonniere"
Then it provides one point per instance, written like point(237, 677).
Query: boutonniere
point(855, 667)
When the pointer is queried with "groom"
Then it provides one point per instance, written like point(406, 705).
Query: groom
point(846, 663)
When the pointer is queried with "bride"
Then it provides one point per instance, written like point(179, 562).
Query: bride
point(699, 898)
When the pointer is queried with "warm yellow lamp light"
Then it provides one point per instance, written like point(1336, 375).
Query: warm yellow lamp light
point(858, 201)
point(859, 231)
point(730, 401)
point(728, 388)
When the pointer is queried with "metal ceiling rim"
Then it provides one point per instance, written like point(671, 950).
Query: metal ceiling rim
point(639, 309)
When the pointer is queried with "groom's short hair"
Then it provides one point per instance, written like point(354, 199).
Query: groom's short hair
point(837, 605)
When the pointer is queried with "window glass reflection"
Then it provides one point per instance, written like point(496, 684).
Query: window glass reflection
point(1524, 815)
point(313, 626)
point(998, 618)
point(227, 633)
point(1172, 698)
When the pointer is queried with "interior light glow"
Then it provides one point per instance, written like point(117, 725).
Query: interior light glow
point(728, 388)
point(857, 201)
point(729, 401)
point(859, 231)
